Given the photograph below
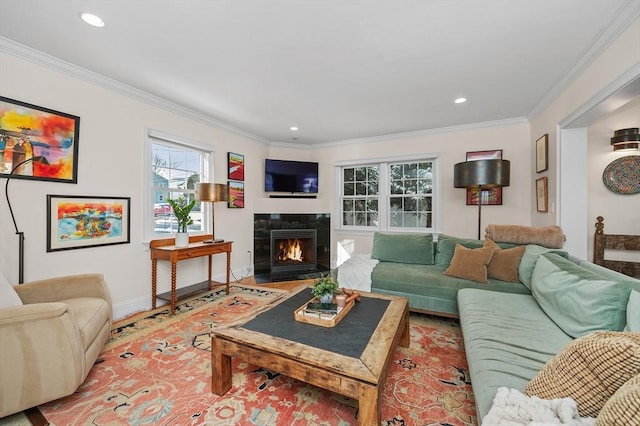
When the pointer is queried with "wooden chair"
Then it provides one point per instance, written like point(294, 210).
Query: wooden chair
point(604, 241)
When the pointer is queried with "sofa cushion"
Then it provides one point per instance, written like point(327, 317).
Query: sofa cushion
point(470, 264)
point(589, 370)
point(633, 312)
point(446, 246)
point(529, 259)
point(505, 262)
point(577, 300)
point(8, 296)
point(623, 408)
point(403, 248)
point(426, 286)
point(507, 340)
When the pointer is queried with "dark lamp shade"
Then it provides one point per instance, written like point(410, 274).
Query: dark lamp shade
point(626, 138)
point(211, 192)
point(482, 174)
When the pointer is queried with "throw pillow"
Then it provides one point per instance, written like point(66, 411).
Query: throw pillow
point(403, 248)
point(446, 246)
point(633, 312)
point(623, 408)
point(531, 254)
point(589, 370)
point(8, 296)
point(470, 264)
point(505, 262)
point(577, 300)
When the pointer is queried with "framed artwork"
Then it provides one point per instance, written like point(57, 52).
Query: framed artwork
point(75, 221)
point(236, 166)
point(541, 195)
point(542, 153)
point(491, 197)
point(236, 195)
point(38, 143)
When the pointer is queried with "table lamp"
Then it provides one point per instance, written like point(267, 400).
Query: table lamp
point(211, 193)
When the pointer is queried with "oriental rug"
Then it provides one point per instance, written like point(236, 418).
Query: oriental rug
point(157, 371)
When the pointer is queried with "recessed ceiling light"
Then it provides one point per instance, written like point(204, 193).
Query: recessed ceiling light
point(293, 128)
point(460, 100)
point(92, 20)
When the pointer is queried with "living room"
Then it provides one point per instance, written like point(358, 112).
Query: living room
point(114, 120)
point(578, 117)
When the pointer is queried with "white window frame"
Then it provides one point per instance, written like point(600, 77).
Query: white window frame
point(384, 193)
point(153, 137)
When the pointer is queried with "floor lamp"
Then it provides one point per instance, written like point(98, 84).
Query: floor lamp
point(481, 175)
point(212, 192)
point(20, 234)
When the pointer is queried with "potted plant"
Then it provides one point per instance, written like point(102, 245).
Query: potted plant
point(182, 210)
point(324, 288)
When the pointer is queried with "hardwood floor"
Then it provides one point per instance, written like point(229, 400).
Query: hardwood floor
point(283, 285)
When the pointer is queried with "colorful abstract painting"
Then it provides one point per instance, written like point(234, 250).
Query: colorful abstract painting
point(236, 166)
point(38, 143)
point(78, 222)
point(236, 195)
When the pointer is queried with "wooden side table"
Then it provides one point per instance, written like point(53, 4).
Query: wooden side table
point(165, 249)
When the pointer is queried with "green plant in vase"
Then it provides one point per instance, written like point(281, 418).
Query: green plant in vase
point(182, 210)
point(324, 288)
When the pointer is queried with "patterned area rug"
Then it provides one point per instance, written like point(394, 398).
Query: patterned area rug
point(157, 371)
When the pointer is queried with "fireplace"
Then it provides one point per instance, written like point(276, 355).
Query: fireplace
point(291, 246)
point(293, 252)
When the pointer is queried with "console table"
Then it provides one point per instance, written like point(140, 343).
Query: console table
point(165, 249)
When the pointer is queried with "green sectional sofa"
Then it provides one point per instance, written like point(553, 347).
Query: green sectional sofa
point(510, 329)
point(413, 266)
point(509, 337)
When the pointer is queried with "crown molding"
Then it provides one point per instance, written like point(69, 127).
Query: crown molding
point(627, 13)
point(40, 58)
point(417, 133)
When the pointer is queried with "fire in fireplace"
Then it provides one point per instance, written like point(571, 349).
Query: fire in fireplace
point(293, 252)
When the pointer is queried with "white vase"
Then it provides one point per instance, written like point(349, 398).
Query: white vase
point(182, 239)
point(327, 298)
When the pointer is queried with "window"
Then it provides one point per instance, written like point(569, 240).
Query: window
point(391, 195)
point(174, 167)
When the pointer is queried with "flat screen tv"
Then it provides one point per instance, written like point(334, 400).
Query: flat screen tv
point(290, 176)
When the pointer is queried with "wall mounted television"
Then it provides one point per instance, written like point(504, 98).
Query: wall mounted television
point(290, 176)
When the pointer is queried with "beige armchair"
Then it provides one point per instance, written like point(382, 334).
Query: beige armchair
point(50, 342)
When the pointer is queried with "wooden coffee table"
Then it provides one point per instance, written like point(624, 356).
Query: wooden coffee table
point(330, 358)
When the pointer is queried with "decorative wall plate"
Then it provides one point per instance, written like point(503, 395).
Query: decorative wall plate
point(622, 175)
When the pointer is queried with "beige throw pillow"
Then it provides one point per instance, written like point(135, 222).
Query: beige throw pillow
point(589, 370)
point(623, 408)
point(505, 262)
point(470, 264)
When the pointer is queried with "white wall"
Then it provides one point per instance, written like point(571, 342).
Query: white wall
point(111, 164)
point(620, 59)
point(621, 212)
point(456, 218)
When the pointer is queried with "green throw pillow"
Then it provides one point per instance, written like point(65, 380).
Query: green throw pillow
point(403, 248)
point(633, 312)
point(529, 259)
point(577, 300)
point(446, 246)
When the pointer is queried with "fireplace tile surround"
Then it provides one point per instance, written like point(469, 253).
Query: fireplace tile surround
point(264, 223)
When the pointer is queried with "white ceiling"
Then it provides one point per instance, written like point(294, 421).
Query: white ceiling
point(339, 70)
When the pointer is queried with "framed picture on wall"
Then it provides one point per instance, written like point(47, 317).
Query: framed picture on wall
point(542, 153)
point(38, 143)
point(541, 195)
point(236, 195)
point(490, 197)
point(75, 221)
point(236, 166)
